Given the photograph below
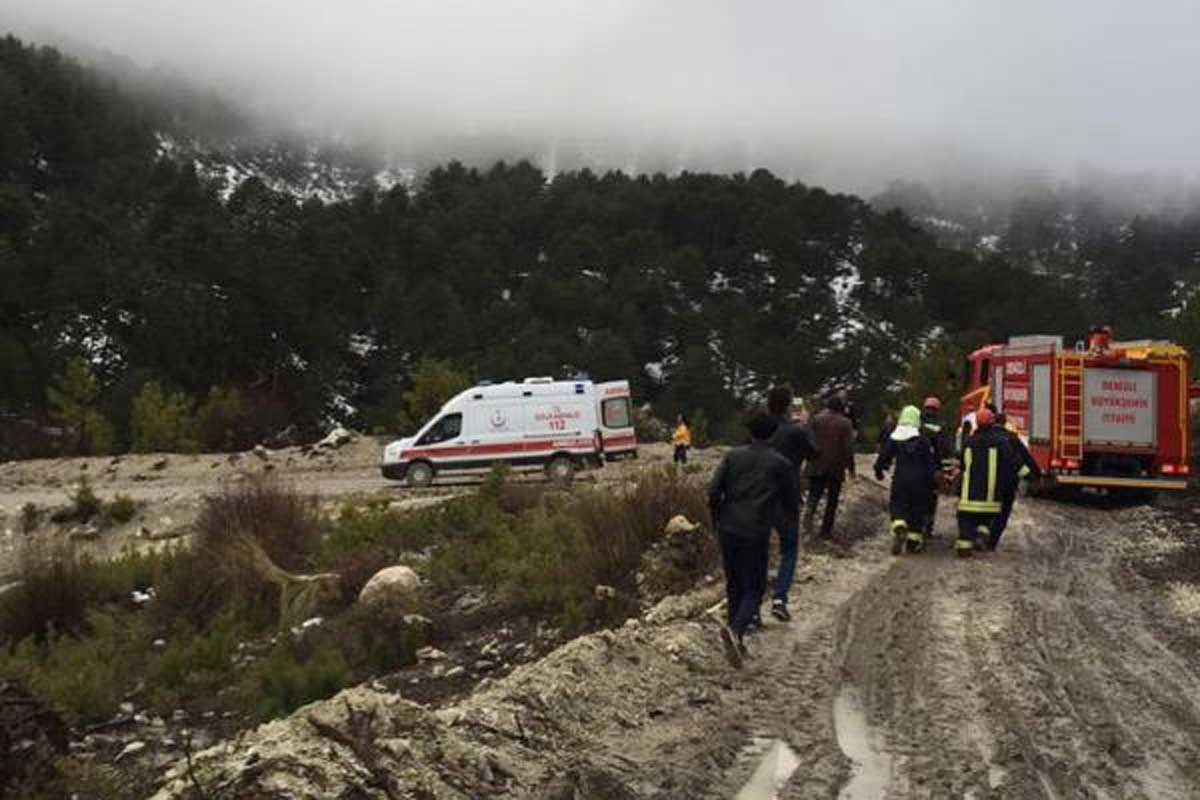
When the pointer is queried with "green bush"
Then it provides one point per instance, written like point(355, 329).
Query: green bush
point(220, 419)
point(284, 682)
point(85, 677)
point(85, 504)
point(52, 595)
point(162, 421)
point(73, 397)
point(122, 508)
point(433, 383)
point(113, 581)
point(196, 663)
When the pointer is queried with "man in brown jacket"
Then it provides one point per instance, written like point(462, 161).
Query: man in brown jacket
point(833, 434)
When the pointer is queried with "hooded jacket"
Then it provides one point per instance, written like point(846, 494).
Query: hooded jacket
point(913, 454)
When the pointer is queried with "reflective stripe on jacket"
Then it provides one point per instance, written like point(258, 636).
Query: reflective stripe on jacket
point(988, 472)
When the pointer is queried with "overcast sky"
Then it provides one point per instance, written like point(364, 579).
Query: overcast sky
point(849, 92)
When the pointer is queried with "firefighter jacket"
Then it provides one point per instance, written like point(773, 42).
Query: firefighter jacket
point(989, 471)
point(916, 463)
point(943, 441)
point(1025, 463)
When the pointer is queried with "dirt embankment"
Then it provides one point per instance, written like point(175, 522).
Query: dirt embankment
point(1038, 671)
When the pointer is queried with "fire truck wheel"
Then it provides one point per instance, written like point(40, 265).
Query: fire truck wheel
point(420, 474)
point(560, 470)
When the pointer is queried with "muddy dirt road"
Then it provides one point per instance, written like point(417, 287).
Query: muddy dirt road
point(1028, 673)
point(1034, 672)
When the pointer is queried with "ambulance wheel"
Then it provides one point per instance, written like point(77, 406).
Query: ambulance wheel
point(560, 470)
point(420, 474)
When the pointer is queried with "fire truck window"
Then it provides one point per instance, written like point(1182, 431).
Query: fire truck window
point(617, 413)
point(446, 428)
point(985, 368)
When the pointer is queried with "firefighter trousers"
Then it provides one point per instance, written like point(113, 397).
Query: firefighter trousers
point(974, 530)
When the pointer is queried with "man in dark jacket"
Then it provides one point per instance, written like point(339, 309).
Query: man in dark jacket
point(916, 465)
point(746, 497)
point(1025, 465)
point(833, 436)
point(793, 443)
point(989, 468)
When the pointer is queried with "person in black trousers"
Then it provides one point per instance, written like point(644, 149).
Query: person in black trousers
point(746, 497)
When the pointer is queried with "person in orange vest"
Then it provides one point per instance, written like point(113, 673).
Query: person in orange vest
point(682, 439)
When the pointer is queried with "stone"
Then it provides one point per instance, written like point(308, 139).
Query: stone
point(679, 524)
point(398, 584)
point(483, 665)
point(131, 749)
point(161, 464)
point(430, 654)
point(603, 592)
point(126, 709)
point(84, 533)
point(336, 438)
point(454, 672)
point(261, 452)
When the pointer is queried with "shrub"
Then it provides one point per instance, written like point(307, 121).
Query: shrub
point(122, 508)
point(73, 397)
point(433, 383)
point(51, 596)
point(196, 663)
point(220, 419)
point(238, 530)
point(355, 567)
point(285, 682)
point(85, 504)
point(376, 638)
point(162, 421)
point(701, 435)
point(284, 522)
point(113, 581)
point(84, 678)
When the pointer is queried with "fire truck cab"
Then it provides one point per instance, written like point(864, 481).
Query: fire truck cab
point(1102, 414)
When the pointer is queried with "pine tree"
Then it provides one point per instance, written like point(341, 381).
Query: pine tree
point(73, 397)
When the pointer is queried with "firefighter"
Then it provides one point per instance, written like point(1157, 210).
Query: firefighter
point(943, 446)
point(916, 467)
point(682, 439)
point(988, 470)
point(1025, 466)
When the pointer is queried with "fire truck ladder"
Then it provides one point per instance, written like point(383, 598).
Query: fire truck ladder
point(1070, 415)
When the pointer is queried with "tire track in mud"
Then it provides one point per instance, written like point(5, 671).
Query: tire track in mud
point(1023, 673)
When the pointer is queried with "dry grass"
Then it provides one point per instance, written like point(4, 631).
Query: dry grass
point(52, 595)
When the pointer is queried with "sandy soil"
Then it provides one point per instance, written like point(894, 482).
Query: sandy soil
point(1034, 672)
point(1049, 669)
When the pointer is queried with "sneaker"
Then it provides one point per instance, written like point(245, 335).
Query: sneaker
point(734, 648)
point(779, 611)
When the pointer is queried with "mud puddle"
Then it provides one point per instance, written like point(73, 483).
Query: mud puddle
point(860, 743)
point(776, 765)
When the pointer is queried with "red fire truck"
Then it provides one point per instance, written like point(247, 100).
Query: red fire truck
point(1100, 414)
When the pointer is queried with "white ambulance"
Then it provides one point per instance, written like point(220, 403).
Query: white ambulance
point(537, 424)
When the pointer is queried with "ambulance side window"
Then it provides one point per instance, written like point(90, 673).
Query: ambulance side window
point(445, 429)
point(617, 413)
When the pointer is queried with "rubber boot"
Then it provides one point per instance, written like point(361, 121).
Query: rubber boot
point(983, 539)
point(964, 548)
point(899, 534)
point(915, 542)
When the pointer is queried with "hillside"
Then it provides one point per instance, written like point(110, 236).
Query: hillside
point(310, 287)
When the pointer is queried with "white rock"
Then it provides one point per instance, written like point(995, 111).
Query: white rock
point(680, 524)
point(430, 654)
point(391, 584)
point(336, 438)
point(603, 592)
point(131, 749)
